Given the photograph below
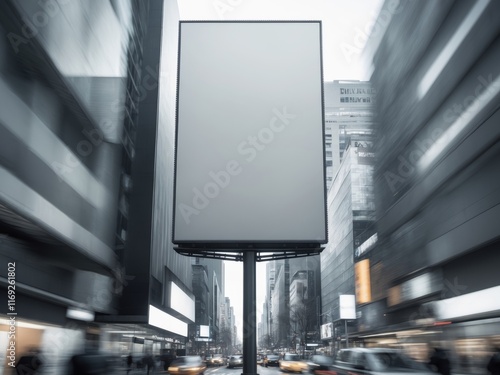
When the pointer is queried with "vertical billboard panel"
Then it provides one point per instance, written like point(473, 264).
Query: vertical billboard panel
point(250, 138)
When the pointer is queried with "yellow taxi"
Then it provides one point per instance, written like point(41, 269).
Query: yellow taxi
point(187, 365)
point(291, 362)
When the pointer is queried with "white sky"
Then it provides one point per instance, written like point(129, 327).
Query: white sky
point(234, 289)
point(345, 27)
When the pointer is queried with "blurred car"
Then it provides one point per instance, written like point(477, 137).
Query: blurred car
point(216, 360)
point(319, 364)
point(187, 365)
point(235, 361)
point(291, 362)
point(376, 361)
point(166, 359)
point(272, 360)
point(260, 359)
point(207, 359)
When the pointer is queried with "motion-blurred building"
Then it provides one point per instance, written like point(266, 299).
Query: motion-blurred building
point(436, 72)
point(86, 159)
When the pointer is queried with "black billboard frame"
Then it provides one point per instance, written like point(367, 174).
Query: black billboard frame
point(238, 255)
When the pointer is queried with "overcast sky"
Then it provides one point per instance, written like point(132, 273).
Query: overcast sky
point(345, 27)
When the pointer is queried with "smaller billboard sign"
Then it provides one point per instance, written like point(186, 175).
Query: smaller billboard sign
point(347, 306)
point(326, 331)
point(204, 331)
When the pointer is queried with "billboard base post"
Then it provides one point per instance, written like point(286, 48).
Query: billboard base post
point(249, 314)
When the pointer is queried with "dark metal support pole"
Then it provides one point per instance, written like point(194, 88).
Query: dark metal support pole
point(249, 314)
point(346, 335)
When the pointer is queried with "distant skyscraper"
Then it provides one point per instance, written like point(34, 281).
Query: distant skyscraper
point(349, 157)
point(348, 120)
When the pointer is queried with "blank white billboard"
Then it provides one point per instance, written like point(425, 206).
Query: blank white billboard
point(181, 302)
point(204, 331)
point(250, 137)
point(347, 304)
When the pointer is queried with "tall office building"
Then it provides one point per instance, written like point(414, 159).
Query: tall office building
point(286, 273)
point(351, 213)
point(263, 339)
point(349, 131)
point(216, 298)
point(199, 332)
point(280, 318)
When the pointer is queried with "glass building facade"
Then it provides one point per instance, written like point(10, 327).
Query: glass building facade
point(350, 214)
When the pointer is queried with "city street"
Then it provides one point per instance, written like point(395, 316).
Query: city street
point(186, 184)
point(223, 370)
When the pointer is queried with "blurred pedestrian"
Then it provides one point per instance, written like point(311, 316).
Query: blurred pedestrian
point(90, 362)
point(440, 362)
point(494, 363)
point(149, 363)
point(29, 363)
point(130, 360)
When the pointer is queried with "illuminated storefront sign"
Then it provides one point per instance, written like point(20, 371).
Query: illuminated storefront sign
point(366, 246)
point(417, 287)
point(181, 302)
point(167, 322)
point(362, 281)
